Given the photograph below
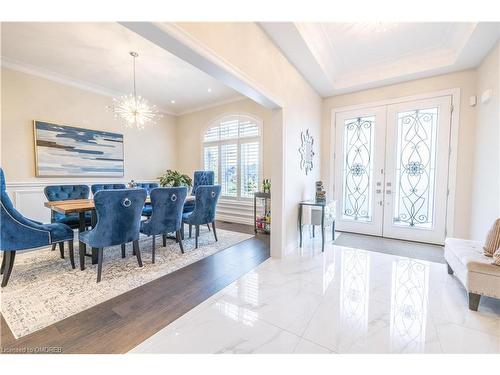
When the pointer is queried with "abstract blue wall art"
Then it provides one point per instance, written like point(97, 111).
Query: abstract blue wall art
point(66, 151)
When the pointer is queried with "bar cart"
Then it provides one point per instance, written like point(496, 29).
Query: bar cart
point(262, 223)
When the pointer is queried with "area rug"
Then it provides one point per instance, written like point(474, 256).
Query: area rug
point(44, 289)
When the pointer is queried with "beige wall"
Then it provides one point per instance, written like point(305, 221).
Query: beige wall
point(191, 126)
point(248, 50)
point(26, 98)
point(485, 205)
point(466, 82)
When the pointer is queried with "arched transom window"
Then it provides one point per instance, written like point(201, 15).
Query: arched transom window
point(232, 149)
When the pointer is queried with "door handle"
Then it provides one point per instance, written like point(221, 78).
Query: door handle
point(378, 191)
point(388, 192)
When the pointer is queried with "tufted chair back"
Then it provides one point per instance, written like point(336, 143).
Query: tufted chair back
point(2, 181)
point(66, 192)
point(118, 217)
point(16, 231)
point(167, 210)
point(148, 186)
point(206, 204)
point(202, 178)
point(98, 187)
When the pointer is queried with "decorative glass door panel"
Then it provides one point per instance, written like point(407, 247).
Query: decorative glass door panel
point(416, 179)
point(391, 169)
point(357, 170)
point(415, 168)
point(359, 134)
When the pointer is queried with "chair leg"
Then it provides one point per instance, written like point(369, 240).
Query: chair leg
point(123, 250)
point(215, 232)
point(9, 264)
point(197, 234)
point(71, 254)
point(54, 246)
point(3, 265)
point(182, 231)
point(164, 240)
point(450, 270)
point(474, 301)
point(179, 240)
point(190, 230)
point(137, 252)
point(208, 226)
point(61, 249)
point(99, 263)
point(81, 253)
point(153, 252)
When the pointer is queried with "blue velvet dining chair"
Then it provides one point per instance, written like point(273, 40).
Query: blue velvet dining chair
point(148, 186)
point(166, 215)
point(98, 187)
point(63, 193)
point(204, 210)
point(20, 233)
point(199, 178)
point(118, 222)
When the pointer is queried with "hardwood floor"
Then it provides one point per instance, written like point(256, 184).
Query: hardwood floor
point(121, 323)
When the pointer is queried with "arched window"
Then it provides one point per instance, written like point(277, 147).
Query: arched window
point(232, 149)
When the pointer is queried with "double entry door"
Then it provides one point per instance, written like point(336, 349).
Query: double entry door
point(391, 169)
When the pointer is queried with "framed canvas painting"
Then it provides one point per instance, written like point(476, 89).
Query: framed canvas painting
point(66, 151)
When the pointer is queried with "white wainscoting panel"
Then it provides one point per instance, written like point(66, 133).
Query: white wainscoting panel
point(240, 212)
point(30, 203)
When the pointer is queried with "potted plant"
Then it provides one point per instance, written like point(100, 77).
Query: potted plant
point(175, 178)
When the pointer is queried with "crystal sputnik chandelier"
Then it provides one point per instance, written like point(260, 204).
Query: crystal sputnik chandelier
point(133, 109)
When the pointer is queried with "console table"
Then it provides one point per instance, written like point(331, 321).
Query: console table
point(322, 205)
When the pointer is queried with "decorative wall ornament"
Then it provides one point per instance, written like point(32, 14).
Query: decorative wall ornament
point(65, 151)
point(306, 151)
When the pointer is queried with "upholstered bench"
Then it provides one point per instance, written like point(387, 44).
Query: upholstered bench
point(474, 270)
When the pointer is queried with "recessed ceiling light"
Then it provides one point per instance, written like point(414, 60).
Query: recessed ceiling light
point(209, 90)
point(172, 101)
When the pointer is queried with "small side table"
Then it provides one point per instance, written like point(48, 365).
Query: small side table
point(322, 205)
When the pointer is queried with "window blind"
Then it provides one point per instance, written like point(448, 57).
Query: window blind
point(250, 162)
point(229, 165)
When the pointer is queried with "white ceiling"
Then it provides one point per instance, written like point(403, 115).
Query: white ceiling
point(96, 56)
point(345, 57)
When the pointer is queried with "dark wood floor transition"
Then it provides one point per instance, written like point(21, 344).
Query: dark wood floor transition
point(121, 323)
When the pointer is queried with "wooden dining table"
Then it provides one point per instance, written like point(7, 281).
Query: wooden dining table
point(80, 207)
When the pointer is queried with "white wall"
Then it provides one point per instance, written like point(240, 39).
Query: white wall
point(190, 129)
point(466, 82)
point(485, 203)
point(25, 98)
point(249, 51)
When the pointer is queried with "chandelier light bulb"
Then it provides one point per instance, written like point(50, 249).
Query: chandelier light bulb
point(134, 110)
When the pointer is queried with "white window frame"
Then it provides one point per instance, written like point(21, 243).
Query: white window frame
point(238, 141)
